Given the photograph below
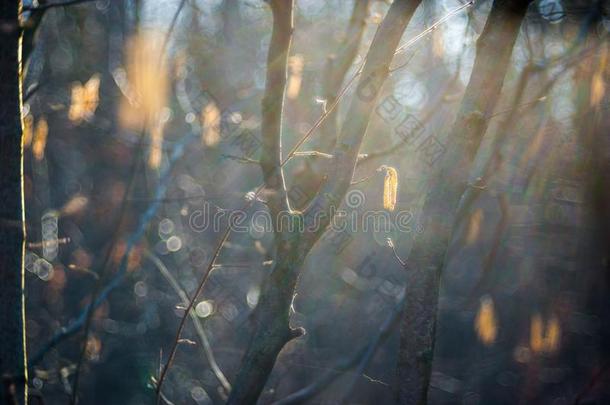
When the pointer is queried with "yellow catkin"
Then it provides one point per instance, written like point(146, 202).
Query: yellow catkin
point(28, 130)
point(598, 86)
point(210, 123)
point(536, 334)
point(295, 66)
point(553, 335)
point(84, 99)
point(76, 102)
point(542, 341)
point(485, 323)
point(390, 188)
point(39, 142)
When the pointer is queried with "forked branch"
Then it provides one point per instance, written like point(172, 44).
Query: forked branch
point(270, 318)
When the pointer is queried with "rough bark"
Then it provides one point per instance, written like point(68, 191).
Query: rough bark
point(417, 328)
point(301, 231)
point(12, 231)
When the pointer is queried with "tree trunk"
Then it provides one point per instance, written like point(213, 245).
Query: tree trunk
point(12, 231)
point(417, 327)
point(271, 316)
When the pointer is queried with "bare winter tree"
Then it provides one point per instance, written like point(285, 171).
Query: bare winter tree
point(297, 226)
point(442, 206)
point(12, 230)
point(300, 231)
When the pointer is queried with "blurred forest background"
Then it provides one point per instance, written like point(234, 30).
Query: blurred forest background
point(111, 199)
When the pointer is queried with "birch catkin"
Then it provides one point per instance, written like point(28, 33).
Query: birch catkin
point(39, 142)
point(485, 322)
point(542, 341)
point(390, 188)
point(210, 121)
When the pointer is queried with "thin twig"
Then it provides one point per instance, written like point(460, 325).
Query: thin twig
point(242, 265)
point(391, 245)
point(314, 153)
point(362, 180)
point(433, 27)
point(205, 342)
point(240, 159)
point(187, 311)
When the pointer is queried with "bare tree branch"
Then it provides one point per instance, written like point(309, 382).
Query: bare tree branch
point(272, 106)
point(225, 236)
point(375, 71)
point(291, 278)
point(205, 342)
